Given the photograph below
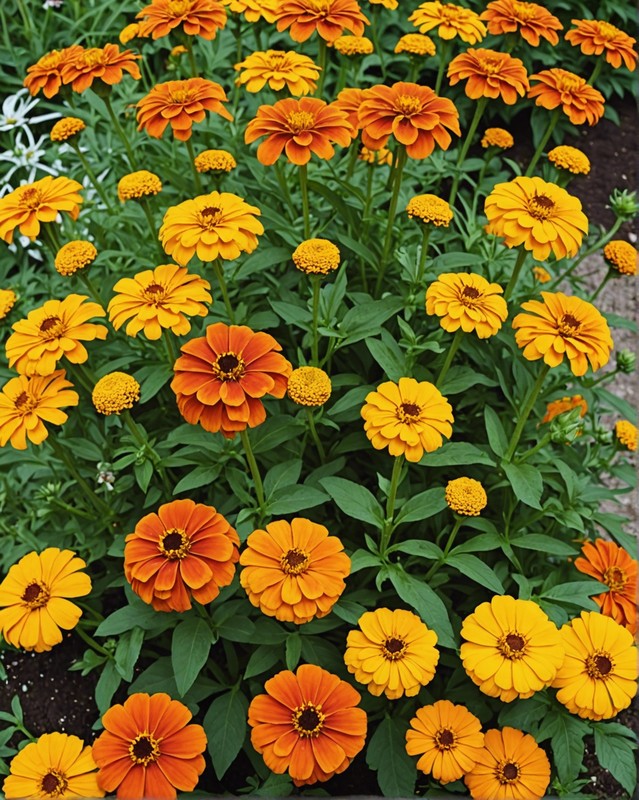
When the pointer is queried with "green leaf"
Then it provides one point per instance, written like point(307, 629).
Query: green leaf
point(293, 650)
point(354, 500)
point(274, 432)
point(349, 611)
point(316, 650)
point(262, 659)
point(453, 454)
point(543, 544)
point(422, 506)
point(388, 355)
point(200, 476)
point(135, 614)
point(287, 473)
point(386, 753)
point(496, 434)
point(362, 559)
point(289, 499)
point(106, 686)
point(190, 647)
point(566, 734)
point(526, 483)
point(479, 544)
point(152, 379)
point(426, 603)
point(615, 753)
point(576, 593)
point(128, 651)
point(418, 547)
point(477, 571)
point(225, 725)
point(459, 379)
point(524, 714)
point(158, 677)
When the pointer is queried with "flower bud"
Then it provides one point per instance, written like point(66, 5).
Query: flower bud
point(566, 427)
point(603, 435)
point(624, 204)
point(626, 361)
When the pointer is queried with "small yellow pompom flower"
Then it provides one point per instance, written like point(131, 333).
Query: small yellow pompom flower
point(316, 257)
point(115, 392)
point(570, 158)
point(541, 274)
point(626, 434)
point(138, 184)
point(416, 44)
point(74, 256)
point(466, 496)
point(381, 156)
point(621, 256)
point(309, 386)
point(214, 161)
point(66, 128)
point(7, 301)
point(497, 137)
point(430, 208)
point(353, 45)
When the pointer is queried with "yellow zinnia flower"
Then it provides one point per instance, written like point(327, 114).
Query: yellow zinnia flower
point(467, 301)
point(626, 434)
point(569, 158)
point(497, 137)
point(74, 256)
point(466, 496)
point(279, 69)
point(416, 44)
point(66, 128)
point(316, 257)
point(214, 161)
point(449, 20)
point(138, 184)
point(29, 205)
point(621, 256)
point(430, 209)
point(353, 45)
point(115, 392)
point(7, 301)
point(309, 386)
point(254, 10)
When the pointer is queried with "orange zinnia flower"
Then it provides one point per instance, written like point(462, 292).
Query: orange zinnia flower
point(579, 101)
point(530, 19)
point(294, 571)
point(46, 73)
point(148, 748)
point(330, 18)
point(307, 724)
point(349, 101)
point(29, 205)
point(299, 128)
point(254, 10)
point(610, 564)
point(596, 37)
point(557, 407)
point(197, 17)
point(489, 74)
point(450, 21)
point(220, 377)
point(106, 64)
point(180, 103)
point(187, 550)
point(413, 114)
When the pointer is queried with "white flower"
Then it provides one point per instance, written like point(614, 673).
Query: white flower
point(52, 4)
point(27, 154)
point(15, 111)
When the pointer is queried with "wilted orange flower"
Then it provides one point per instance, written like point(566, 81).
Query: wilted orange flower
point(450, 21)
point(29, 205)
point(294, 571)
point(330, 18)
point(349, 101)
point(596, 37)
point(46, 73)
point(557, 407)
point(610, 564)
point(220, 377)
point(106, 64)
point(414, 115)
point(254, 10)
point(197, 17)
point(558, 87)
point(468, 301)
point(278, 68)
point(307, 724)
point(489, 73)
point(299, 128)
point(180, 104)
point(531, 20)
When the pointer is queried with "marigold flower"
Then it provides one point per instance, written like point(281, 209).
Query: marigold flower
point(309, 386)
point(53, 331)
point(560, 88)
point(353, 45)
point(393, 653)
point(532, 21)
point(215, 225)
point(466, 496)
point(46, 73)
point(541, 216)
point(317, 257)
point(299, 128)
point(184, 551)
point(158, 299)
point(138, 184)
point(55, 765)
point(180, 104)
point(74, 256)
point(489, 73)
point(114, 393)
point(26, 403)
point(416, 44)
point(29, 205)
point(254, 10)
point(610, 564)
point(279, 69)
point(196, 17)
point(7, 301)
point(626, 434)
point(107, 64)
point(450, 21)
point(66, 128)
point(511, 764)
point(563, 326)
point(596, 37)
point(330, 18)
point(129, 33)
point(430, 209)
point(34, 602)
point(569, 158)
point(148, 749)
point(447, 738)
point(220, 377)
point(294, 571)
point(557, 407)
point(467, 301)
point(621, 256)
point(497, 137)
point(414, 115)
point(512, 649)
point(407, 417)
point(379, 157)
point(214, 161)
point(598, 677)
point(541, 274)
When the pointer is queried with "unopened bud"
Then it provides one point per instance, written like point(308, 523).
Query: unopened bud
point(626, 361)
point(603, 435)
point(566, 427)
point(624, 204)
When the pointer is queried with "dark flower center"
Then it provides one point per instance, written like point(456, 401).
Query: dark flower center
point(599, 665)
point(512, 645)
point(615, 578)
point(308, 720)
point(35, 595)
point(24, 403)
point(408, 412)
point(175, 544)
point(540, 207)
point(514, 642)
point(444, 739)
point(295, 561)
point(155, 292)
point(228, 363)
point(509, 772)
point(569, 325)
point(144, 749)
point(469, 294)
point(393, 649)
point(51, 327)
point(54, 783)
point(229, 367)
point(210, 217)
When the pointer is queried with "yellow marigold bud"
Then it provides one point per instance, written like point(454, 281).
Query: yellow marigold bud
point(115, 392)
point(541, 274)
point(309, 386)
point(626, 434)
point(214, 161)
point(381, 156)
point(497, 137)
point(466, 496)
point(416, 44)
point(556, 407)
point(138, 184)
point(353, 45)
point(74, 256)
point(430, 208)
point(316, 257)
point(621, 256)
point(66, 128)
point(570, 159)
point(178, 50)
point(129, 32)
point(7, 301)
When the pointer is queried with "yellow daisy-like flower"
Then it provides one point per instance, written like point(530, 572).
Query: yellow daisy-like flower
point(26, 207)
point(466, 496)
point(280, 69)
point(309, 386)
point(569, 158)
point(7, 301)
point(467, 301)
point(316, 257)
point(381, 156)
point(563, 326)
point(214, 161)
point(254, 10)
point(541, 216)
point(74, 256)
point(450, 21)
point(430, 209)
point(541, 274)
point(353, 45)
point(115, 392)
point(138, 184)
point(392, 653)
point(512, 649)
point(66, 128)
point(416, 44)
point(598, 677)
point(408, 418)
point(621, 256)
point(626, 434)
point(390, 4)
point(497, 137)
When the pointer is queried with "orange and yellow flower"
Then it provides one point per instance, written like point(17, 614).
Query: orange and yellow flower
point(497, 137)
point(416, 44)
point(449, 20)
point(195, 17)
point(46, 73)
point(621, 256)
point(626, 434)
point(596, 37)
point(558, 88)
point(279, 69)
point(254, 10)
point(467, 301)
point(330, 18)
point(489, 73)
point(66, 128)
point(569, 158)
point(106, 64)
point(29, 205)
point(7, 301)
point(532, 21)
point(74, 256)
point(556, 407)
point(353, 45)
point(349, 101)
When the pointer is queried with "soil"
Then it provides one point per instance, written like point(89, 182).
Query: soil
point(602, 784)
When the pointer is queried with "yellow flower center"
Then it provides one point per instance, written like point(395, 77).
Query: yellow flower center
point(295, 561)
point(54, 783)
point(320, 6)
point(449, 13)
point(51, 328)
point(407, 104)
point(276, 59)
point(30, 197)
point(445, 739)
point(524, 11)
point(178, 7)
point(512, 646)
point(607, 31)
point(50, 61)
point(36, 595)
point(308, 720)
point(299, 121)
point(181, 96)
point(490, 64)
point(599, 665)
point(155, 293)
point(174, 544)
point(540, 206)
point(144, 749)
point(469, 296)
point(24, 403)
point(569, 325)
point(394, 649)
point(408, 412)
point(615, 578)
point(569, 83)
point(229, 367)
point(210, 217)
point(507, 771)
point(93, 56)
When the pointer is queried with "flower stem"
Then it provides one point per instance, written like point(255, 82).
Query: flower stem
point(544, 141)
point(92, 643)
point(321, 63)
point(192, 61)
point(315, 436)
point(92, 177)
point(596, 246)
point(91, 289)
point(595, 73)
point(140, 437)
point(315, 280)
point(119, 130)
point(443, 60)
point(398, 168)
point(422, 256)
point(525, 413)
point(196, 174)
point(144, 205)
point(375, 12)
point(305, 209)
point(479, 111)
point(219, 274)
point(521, 257)
point(255, 472)
point(597, 291)
point(101, 507)
point(454, 347)
point(388, 526)
point(170, 347)
point(449, 543)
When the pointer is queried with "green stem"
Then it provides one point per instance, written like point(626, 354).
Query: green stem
point(192, 61)
point(525, 413)
point(255, 472)
point(479, 110)
point(119, 130)
point(540, 444)
point(544, 141)
point(283, 184)
point(90, 287)
point(454, 347)
point(196, 174)
point(140, 437)
point(352, 158)
point(595, 73)
point(219, 274)
point(443, 60)
point(305, 208)
point(521, 257)
point(592, 249)
point(379, 50)
point(398, 167)
point(321, 63)
point(92, 643)
point(315, 280)
point(92, 177)
point(388, 526)
point(144, 205)
point(101, 507)
point(449, 543)
point(597, 291)
point(170, 347)
point(315, 436)
point(422, 256)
